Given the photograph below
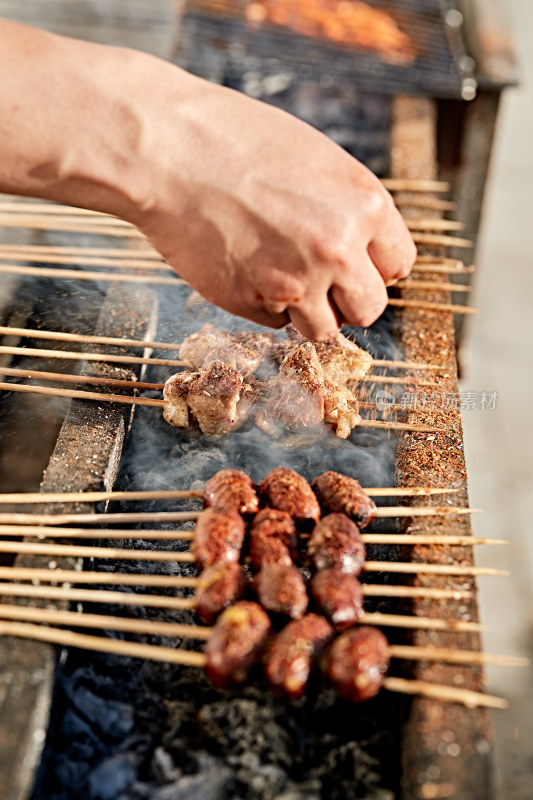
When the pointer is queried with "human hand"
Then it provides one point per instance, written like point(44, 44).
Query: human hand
point(265, 216)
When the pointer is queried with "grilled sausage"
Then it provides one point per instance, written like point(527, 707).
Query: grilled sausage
point(231, 489)
point(219, 586)
point(293, 654)
point(338, 596)
point(336, 542)
point(281, 590)
point(339, 493)
point(356, 663)
point(272, 538)
point(284, 489)
point(235, 645)
point(218, 537)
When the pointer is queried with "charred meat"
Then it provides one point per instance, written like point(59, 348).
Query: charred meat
point(294, 652)
point(219, 587)
point(213, 398)
point(339, 493)
point(281, 590)
point(175, 393)
point(218, 537)
point(338, 596)
point(356, 663)
point(239, 635)
point(231, 489)
point(336, 542)
point(272, 538)
point(286, 490)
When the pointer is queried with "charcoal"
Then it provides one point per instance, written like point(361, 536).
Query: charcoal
point(112, 776)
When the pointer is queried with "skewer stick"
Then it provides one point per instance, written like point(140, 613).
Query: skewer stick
point(423, 304)
point(100, 227)
point(200, 632)
point(61, 377)
point(75, 355)
point(8, 518)
point(415, 185)
point(178, 535)
point(66, 576)
point(433, 286)
point(91, 261)
point(61, 211)
point(77, 551)
point(148, 401)
point(447, 694)
point(433, 224)
point(181, 494)
point(444, 269)
point(454, 656)
point(173, 346)
point(417, 201)
point(75, 250)
point(440, 240)
point(85, 275)
point(68, 638)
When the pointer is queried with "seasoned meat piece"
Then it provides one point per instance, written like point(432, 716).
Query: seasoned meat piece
point(218, 537)
point(231, 489)
point(338, 596)
point(281, 590)
point(336, 542)
point(339, 493)
point(244, 350)
point(238, 637)
point(175, 392)
point(249, 400)
point(272, 538)
point(356, 663)
point(213, 398)
point(284, 489)
point(219, 586)
point(340, 408)
point(293, 654)
point(341, 359)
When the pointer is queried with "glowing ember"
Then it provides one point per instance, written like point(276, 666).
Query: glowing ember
point(346, 21)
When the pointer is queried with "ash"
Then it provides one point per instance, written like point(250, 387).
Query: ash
point(126, 729)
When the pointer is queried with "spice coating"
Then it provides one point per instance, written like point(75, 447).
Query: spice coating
point(286, 490)
point(218, 537)
point(339, 597)
point(293, 654)
point(218, 587)
point(336, 542)
point(356, 663)
point(339, 493)
point(235, 644)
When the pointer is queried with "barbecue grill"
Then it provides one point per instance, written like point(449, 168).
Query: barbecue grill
point(436, 749)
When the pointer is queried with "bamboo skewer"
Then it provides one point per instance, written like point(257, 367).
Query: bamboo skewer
point(141, 344)
point(117, 253)
point(99, 227)
point(180, 516)
point(423, 304)
point(85, 275)
point(62, 377)
point(178, 535)
point(180, 494)
point(443, 269)
point(154, 402)
point(418, 201)
point(415, 185)
point(90, 261)
point(65, 576)
point(410, 283)
point(200, 632)
point(77, 551)
point(76, 355)
point(68, 638)
point(440, 240)
point(433, 224)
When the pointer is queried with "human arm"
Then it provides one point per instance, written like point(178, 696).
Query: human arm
point(262, 214)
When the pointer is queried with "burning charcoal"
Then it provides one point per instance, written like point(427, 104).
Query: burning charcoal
point(286, 490)
point(293, 653)
point(231, 489)
point(239, 635)
point(338, 596)
point(272, 538)
point(281, 590)
point(219, 586)
point(356, 663)
point(336, 542)
point(339, 493)
point(218, 537)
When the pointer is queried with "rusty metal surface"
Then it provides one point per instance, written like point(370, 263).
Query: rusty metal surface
point(85, 458)
point(446, 747)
